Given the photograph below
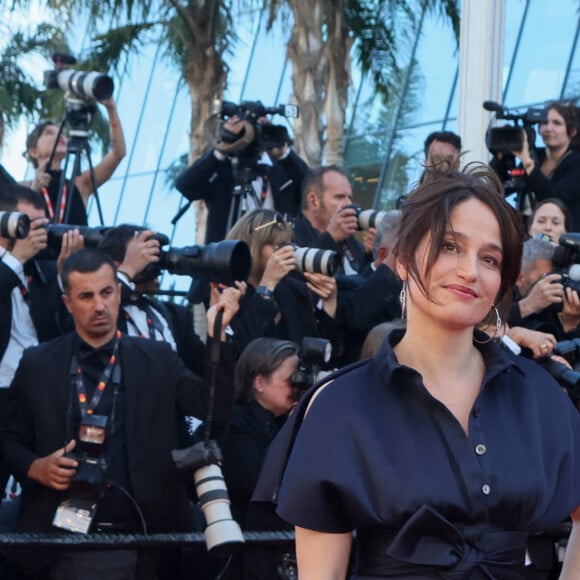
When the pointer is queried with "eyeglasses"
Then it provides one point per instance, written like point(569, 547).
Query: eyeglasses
point(278, 222)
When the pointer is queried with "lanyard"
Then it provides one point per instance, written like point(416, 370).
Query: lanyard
point(150, 324)
point(88, 409)
point(49, 206)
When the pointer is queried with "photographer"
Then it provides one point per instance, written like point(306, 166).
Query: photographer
point(40, 145)
point(442, 151)
point(139, 388)
point(30, 304)
point(276, 179)
point(280, 302)
point(326, 222)
point(264, 397)
point(554, 171)
point(539, 294)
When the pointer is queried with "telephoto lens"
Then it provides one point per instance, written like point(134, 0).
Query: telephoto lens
point(316, 261)
point(370, 218)
point(14, 225)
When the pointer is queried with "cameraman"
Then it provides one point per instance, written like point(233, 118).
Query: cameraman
point(40, 145)
point(554, 171)
point(326, 221)
point(539, 294)
point(31, 310)
point(442, 151)
point(277, 183)
point(140, 387)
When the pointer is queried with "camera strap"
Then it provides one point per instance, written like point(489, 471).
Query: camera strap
point(77, 373)
point(49, 206)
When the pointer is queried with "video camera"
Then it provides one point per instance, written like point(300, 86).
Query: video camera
point(510, 137)
point(255, 136)
point(14, 225)
point(314, 354)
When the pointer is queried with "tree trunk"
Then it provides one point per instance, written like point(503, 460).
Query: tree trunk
point(337, 81)
point(205, 74)
point(307, 55)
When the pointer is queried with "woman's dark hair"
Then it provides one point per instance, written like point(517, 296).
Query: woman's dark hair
point(568, 112)
point(427, 211)
point(34, 136)
point(261, 357)
point(560, 205)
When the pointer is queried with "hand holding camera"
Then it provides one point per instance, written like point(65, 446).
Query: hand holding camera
point(545, 292)
point(282, 261)
point(141, 251)
point(324, 287)
point(570, 317)
point(41, 176)
point(72, 241)
point(55, 470)
point(343, 223)
point(36, 241)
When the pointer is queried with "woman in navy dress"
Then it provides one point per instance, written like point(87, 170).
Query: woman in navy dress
point(442, 452)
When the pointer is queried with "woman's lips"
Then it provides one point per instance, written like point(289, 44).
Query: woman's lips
point(462, 290)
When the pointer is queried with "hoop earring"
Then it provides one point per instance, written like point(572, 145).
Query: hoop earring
point(497, 328)
point(403, 301)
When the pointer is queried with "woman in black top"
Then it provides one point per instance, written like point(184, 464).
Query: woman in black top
point(555, 170)
point(443, 451)
point(39, 146)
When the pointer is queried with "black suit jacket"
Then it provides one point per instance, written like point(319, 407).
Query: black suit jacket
point(157, 386)
point(213, 181)
point(46, 306)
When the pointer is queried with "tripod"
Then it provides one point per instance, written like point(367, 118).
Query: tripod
point(79, 116)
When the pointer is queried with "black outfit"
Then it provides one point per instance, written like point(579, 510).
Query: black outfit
point(250, 432)
point(258, 316)
point(377, 453)
point(306, 235)
point(156, 387)
point(46, 307)
point(546, 320)
point(213, 181)
point(363, 304)
point(6, 180)
point(77, 211)
point(563, 183)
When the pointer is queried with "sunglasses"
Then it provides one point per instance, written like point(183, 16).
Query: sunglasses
point(278, 222)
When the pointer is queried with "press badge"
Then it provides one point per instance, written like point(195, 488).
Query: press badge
point(75, 515)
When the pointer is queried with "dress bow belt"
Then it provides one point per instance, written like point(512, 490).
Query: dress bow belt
point(428, 545)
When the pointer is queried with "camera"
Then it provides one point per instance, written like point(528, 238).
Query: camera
point(255, 136)
point(565, 260)
point(77, 84)
point(316, 261)
point(510, 137)
point(222, 532)
point(367, 218)
point(223, 262)
point(314, 354)
point(55, 233)
point(14, 225)
point(88, 483)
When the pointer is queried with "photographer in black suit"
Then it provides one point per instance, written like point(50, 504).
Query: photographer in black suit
point(276, 180)
point(139, 387)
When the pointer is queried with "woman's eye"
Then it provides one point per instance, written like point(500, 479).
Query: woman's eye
point(449, 246)
point(491, 260)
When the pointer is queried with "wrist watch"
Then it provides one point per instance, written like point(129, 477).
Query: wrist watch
point(265, 293)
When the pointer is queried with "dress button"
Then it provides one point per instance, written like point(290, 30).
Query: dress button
point(480, 449)
point(476, 412)
point(486, 489)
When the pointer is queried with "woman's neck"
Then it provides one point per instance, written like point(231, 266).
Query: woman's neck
point(554, 154)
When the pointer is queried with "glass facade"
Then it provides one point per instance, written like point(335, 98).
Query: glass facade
point(384, 139)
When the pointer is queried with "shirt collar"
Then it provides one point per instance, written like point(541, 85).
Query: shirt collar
point(85, 350)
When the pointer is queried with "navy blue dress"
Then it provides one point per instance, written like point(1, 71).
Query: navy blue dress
point(376, 453)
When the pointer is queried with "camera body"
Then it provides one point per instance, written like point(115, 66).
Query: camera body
point(314, 354)
point(566, 260)
point(259, 136)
